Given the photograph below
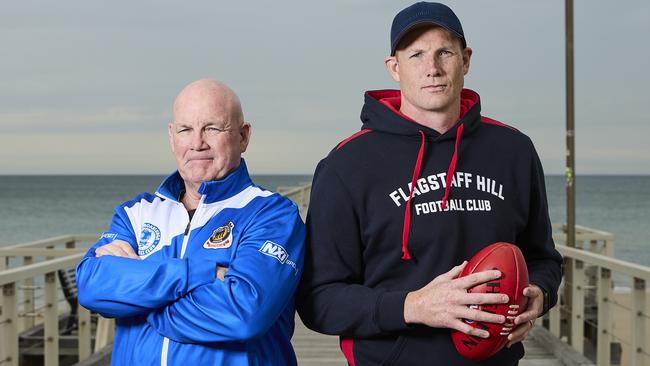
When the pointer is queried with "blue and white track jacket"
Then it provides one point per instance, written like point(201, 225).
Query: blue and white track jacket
point(170, 308)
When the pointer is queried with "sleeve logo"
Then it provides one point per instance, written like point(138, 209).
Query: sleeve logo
point(108, 236)
point(274, 250)
point(221, 238)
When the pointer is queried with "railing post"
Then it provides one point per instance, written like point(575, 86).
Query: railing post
point(302, 206)
point(105, 332)
point(84, 332)
point(28, 306)
point(10, 317)
point(49, 247)
point(578, 306)
point(609, 247)
point(555, 314)
point(604, 339)
point(638, 322)
point(3, 266)
point(51, 321)
point(567, 290)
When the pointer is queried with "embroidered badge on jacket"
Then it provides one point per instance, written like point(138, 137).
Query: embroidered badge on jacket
point(221, 238)
point(149, 239)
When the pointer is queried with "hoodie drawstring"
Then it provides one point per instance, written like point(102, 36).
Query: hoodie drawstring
point(407, 214)
point(452, 167)
point(416, 173)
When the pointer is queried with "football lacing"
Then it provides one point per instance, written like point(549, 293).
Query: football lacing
point(507, 327)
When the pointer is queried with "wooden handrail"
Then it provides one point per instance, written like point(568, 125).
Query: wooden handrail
point(297, 190)
point(40, 252)
point(20, 273)
point(613, 264)
point(57, 240)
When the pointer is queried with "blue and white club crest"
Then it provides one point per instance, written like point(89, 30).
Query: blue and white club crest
point(149, 239)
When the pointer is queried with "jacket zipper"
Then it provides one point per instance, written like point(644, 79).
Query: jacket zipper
point(186, 237)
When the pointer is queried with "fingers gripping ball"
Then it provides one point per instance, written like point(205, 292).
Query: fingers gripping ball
point(508, 259)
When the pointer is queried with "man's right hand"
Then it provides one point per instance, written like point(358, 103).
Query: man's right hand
point(118, 248)
point(221, 272)
point(443, 303)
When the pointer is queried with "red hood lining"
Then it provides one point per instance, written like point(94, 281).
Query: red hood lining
point(392, 99)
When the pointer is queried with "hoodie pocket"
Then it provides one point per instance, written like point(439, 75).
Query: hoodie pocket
point(395, 352)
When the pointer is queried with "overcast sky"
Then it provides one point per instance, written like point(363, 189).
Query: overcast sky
point(86, 87)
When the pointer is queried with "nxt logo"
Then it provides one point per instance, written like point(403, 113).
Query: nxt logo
point(274, 250)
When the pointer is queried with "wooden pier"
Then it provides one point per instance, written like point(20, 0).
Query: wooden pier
point(595, 323)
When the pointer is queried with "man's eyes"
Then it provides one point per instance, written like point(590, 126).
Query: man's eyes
point(210, 129)
point(441, 53)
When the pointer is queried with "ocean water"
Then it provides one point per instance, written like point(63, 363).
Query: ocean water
point(38, 207)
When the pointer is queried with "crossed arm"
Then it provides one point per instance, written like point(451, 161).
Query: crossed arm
point(193, 300)
point(120, 248)
point(114, 282)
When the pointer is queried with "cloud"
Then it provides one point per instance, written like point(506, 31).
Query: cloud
point(79, 71)
point(77, 120)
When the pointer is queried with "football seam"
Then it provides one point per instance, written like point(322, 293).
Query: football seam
point(485, 256)
point(496, 346)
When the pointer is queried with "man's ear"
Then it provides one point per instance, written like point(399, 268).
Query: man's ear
point(245, 136)
point(467, 55)
point(170, 133)
point(392, 66)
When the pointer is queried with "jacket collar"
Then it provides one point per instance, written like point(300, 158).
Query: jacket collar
point(212, 191)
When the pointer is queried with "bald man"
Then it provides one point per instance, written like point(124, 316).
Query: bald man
point(204, 271)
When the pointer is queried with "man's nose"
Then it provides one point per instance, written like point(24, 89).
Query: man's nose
point(433, 66)
point(198, 140)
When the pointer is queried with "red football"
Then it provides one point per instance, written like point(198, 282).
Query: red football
point(508, 259)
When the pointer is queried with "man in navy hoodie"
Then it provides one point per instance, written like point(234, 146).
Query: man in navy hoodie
point(398, 207)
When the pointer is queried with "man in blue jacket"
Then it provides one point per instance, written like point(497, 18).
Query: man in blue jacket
point(204, 271)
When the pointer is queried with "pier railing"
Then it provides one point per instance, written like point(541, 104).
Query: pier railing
point(31, 295)
point(607, 324)
point(598, 320)
point(299, 195)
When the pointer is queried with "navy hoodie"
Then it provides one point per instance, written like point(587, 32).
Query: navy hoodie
point(372, 239)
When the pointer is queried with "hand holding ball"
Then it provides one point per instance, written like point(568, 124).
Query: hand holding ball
point(509, 260)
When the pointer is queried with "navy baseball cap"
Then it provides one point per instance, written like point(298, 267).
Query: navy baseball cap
point(424, 13)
